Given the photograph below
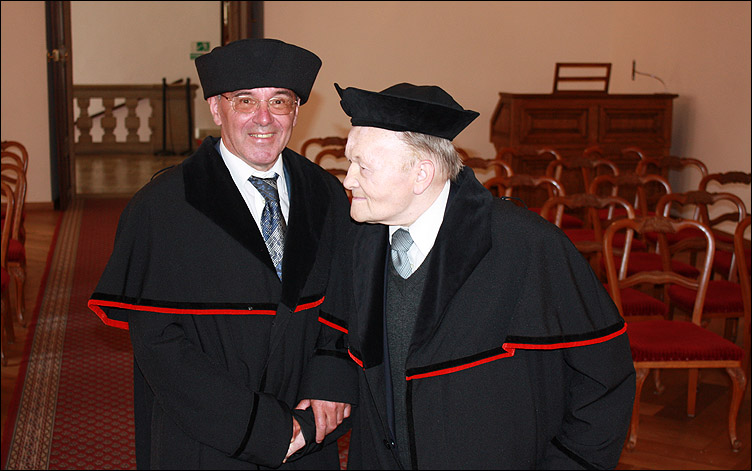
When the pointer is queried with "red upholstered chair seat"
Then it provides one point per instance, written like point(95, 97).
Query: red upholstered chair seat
point(722, 261)
point(722, 296)
point(674, 237)
point(663, 340)
point(567, 220)
point(617, 213)
point(645, 261)
point(583, 235)
point(636, 303)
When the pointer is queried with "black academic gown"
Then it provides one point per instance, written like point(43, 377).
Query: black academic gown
point(223, 350)
point(518, 358)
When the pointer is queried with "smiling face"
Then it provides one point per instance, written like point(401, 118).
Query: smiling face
point(259, 137)
point(382, 177)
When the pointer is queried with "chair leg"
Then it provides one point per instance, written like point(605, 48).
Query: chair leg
point(641, 375)
point(659, 387)
point(730, 329)
point(692, 391)
point(739, 382)
point(18, 272)
point(9, 335)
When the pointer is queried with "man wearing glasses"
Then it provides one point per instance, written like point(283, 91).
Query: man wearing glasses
point(219, 268)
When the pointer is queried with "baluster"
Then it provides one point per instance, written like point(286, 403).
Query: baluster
point(108, 120)
point(83, 123)
point(132, 121)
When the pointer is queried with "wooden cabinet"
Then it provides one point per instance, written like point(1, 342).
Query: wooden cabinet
point(570, 122)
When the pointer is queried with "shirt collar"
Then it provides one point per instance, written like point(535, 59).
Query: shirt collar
point(425, 229)
point(241, 171)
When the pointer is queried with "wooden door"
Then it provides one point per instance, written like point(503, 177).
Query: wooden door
point(60, 93)
point(242, 19)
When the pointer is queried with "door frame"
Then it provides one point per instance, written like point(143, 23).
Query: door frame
point(60, 99)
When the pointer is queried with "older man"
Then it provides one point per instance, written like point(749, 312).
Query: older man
point(483, 338)
point(219, 268)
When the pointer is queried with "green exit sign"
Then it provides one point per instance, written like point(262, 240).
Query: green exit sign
point(199, 48)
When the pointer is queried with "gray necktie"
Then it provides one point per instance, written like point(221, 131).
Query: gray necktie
point(401, 242)
point(273, 225)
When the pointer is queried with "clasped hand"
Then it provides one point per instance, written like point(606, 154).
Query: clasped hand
point(328, 416)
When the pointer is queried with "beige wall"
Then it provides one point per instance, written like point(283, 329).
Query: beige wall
point(159, 38)
point(474, 50)
point(24, 90)
point(477, 49)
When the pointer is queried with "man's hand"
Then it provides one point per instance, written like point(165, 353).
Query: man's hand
point(296, 442)
point(328, 415)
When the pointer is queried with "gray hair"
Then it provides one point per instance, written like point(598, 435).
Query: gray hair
point(440, 150)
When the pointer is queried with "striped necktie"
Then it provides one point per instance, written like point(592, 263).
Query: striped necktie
point(273, 225)
point(401, 243)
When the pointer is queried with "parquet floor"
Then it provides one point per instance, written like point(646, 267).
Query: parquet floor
point(668, 439)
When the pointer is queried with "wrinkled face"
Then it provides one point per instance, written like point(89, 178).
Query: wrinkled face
point(256, 137)
point(378, 177)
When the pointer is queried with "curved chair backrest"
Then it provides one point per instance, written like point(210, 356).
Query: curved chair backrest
point(14, 176)
point(322, 143)
point(667, 275)
point(725, 178)
point(744, 282)
point(9, 201)
point(19, 149)
point(507, 185)
point(635, 185)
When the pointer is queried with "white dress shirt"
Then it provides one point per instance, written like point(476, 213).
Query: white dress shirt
point(241, 172)
point(425, 229)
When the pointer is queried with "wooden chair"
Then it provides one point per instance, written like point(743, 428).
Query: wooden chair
point(321, 143)
point(724, 262)
point(19, 149)
point(587, 166)
point(510, 186)
point(724, 178)
point(499, 166)
point(744, 283)
point(464, 155)
point(6, 329)
point(15, 160)
point(549, 152)
point(633, 153)
point(671, 167)
point(672, 343)
point(588, 240)
point(666, 207)
point(632, 187)
point(664, 165)
point(14, 176)
point(724, 299)
point(333, 160)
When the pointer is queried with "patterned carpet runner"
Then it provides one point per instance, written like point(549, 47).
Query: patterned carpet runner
point(75, 398)
point(75, 409)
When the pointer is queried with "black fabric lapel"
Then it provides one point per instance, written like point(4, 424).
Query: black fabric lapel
point(209, 188)
point(309, 203)
point(369, 263)
point(463, 240)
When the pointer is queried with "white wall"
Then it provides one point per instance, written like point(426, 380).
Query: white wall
point(23, 100)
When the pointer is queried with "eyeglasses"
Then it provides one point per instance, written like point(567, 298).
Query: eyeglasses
point(248, 104)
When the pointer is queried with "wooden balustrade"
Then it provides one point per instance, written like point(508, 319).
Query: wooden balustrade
point(177, 109)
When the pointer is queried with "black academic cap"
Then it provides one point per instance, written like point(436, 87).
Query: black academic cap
point(257, 63)
point(426, 109)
